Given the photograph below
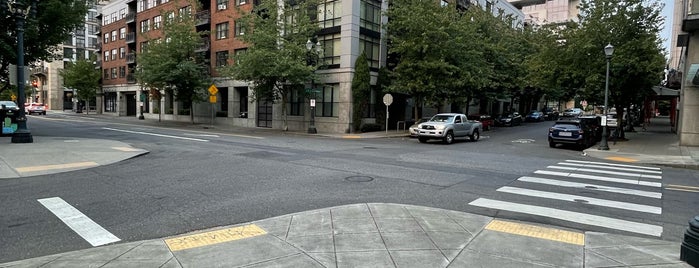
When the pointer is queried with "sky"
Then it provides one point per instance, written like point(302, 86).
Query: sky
point(666, 33)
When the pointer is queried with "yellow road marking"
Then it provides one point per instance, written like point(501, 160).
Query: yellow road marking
point(352, 137)
point(621, 159)
point(214, 237)
point(59, 166)
point(126, 149)
point(683, 186)
point(537, 232)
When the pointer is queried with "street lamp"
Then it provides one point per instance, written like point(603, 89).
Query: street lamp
point(310, 61)
point(608, 51)
point(20, 10)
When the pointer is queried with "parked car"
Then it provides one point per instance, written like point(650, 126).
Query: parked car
point(509, 119)
point(10, 105)
point(573, 112)
point(534, 116)
point(580, 133)
point(485, 119)
point(550, 113)
point(35, 108)
point(413, 129)
point(447, 127)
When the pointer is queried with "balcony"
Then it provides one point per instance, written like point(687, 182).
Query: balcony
point(131, 58)
point(523, 3)
point(202, 18)
point(98, 46)
point(130, 38)
point(39, 70)
point(98, 64)
point(130, 17)
point(206, 44)
point(131, 78)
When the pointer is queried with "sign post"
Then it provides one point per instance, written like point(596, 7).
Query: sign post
point(387, 100)
point(212, 99)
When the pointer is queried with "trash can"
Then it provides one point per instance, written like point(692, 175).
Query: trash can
point(8, 118)
point(689, 252)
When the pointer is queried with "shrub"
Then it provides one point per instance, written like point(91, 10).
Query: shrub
point(371, 127)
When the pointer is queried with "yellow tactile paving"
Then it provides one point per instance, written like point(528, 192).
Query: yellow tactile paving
point(622, 159)
point(214, 237)
point(59, 166)
point(537, 232)
point(352, 137)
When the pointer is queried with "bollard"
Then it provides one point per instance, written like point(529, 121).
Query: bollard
point(689, 252)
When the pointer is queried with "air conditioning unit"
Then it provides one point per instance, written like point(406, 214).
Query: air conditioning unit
point(222, 6)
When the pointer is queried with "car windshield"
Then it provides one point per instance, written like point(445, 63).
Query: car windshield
point(8, 104)
point(442, 118)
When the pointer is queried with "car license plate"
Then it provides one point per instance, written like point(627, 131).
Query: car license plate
point(565, 134)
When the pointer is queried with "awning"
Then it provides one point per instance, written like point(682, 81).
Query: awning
point(664, 91)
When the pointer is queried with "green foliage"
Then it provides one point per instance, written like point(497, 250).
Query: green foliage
point(277, 55)
point(361, 88)
point(83, 77)
point(383, 80)
point(52, 24)
point(171, 62)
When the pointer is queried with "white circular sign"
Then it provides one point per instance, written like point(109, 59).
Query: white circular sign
point(387, 99)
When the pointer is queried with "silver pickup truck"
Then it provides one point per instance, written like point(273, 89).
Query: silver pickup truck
point(448, 126)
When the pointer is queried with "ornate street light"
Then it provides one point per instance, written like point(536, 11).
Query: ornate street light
point(20, 10)
point(312, 61)
point(608, 51)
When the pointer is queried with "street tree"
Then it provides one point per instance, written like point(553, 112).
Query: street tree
point(361, 90)
point(169, 62)
point(48, 24)
point(82, 76)
point(277, 60)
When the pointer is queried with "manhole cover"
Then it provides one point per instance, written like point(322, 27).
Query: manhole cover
point(359, 179)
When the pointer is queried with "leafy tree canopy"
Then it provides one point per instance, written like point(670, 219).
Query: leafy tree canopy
point(83, 77)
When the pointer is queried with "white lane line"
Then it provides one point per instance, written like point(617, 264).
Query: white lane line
point(594, 187)
point(614, 168)
point(608, 172)
point(599, 178)
point(582, 199)
point(202, 135)
point(594, 220)
point(155, 134)
point(612, 164)
point(92, 232)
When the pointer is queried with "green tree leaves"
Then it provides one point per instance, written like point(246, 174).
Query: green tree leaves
point(84, 78)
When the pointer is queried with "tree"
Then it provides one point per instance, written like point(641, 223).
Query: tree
point(277, 60)
point(84, 78)
point(171, 63)
point(49, 23)
point(361, 88)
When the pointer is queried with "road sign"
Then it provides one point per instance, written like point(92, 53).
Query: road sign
point(212, 99)
point(387, 99)
point(213, 89)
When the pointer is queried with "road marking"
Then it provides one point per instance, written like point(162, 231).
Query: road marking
point(203, 135)
point(622, 159)
point(92, 232)
point(57, 166)
point(155, 134)
point(612, 164)
point(599, 178)
point(608, 172)
point(351, 137)
point(588, 219)
point(609, 167)
point(214, 237)
point(529, 230)
point(683, 188)
point(127, 149)
point(594, 187)
point(581, 199)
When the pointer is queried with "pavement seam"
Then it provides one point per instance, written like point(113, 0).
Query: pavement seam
point(122, 254)
point(469, 242)
point(428, 235)
point(332, 232)
point(383, 240)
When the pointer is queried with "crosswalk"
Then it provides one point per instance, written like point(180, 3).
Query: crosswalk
point(570, 190)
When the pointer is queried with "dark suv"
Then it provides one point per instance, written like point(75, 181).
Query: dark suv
point(549, 114)
point(583, 132)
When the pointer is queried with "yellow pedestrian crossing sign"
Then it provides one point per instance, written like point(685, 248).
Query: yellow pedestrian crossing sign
point(212, 99)
point(213, 89)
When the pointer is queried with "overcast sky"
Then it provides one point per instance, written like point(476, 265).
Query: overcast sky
point(667, 30)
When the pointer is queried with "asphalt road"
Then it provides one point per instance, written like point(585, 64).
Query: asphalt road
point(194, 180)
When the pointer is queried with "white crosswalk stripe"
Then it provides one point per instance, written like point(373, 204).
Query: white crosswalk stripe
point(620, 190)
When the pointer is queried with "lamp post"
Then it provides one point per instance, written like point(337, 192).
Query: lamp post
point(310, 61)
point(20, 10)
point(608, 51)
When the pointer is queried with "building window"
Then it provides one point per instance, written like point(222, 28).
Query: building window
point(239, 28)
point(326, 101)
point(145, 26)
point(114, 73)
point(144, 46)
point(141, 5)
point(185, 11)
point(122, 33)
point(110, 101)
point(106, 74)
point(237, 53)
point(114, 35)
point(113, 16)
point(221, 58)
point(91, 29)
point(170, 16)
point(329, 13)
point(370, 46)
point(221, 4)
point(122, 71)
point(241, 2)
point(67, 53)
point(157, 22)
point(122, 13)
point(222, 31)
point(296, 102)
point(106, 38)
point(243, 101)
point(370, 15)
point(114, 54)
point(122, 52)
point(106, 56)
point(331, 49)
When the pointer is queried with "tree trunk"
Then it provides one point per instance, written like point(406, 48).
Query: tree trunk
point(191, 111)
point(285, 124)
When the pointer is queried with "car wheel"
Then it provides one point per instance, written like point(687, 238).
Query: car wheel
point(475, 136)
point(552, 144)
point(422, 140)
point(449, 138)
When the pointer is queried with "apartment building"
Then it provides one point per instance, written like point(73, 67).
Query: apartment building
point(547, 11)
point(346, 28)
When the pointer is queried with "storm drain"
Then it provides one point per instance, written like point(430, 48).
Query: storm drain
point(359, 179)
